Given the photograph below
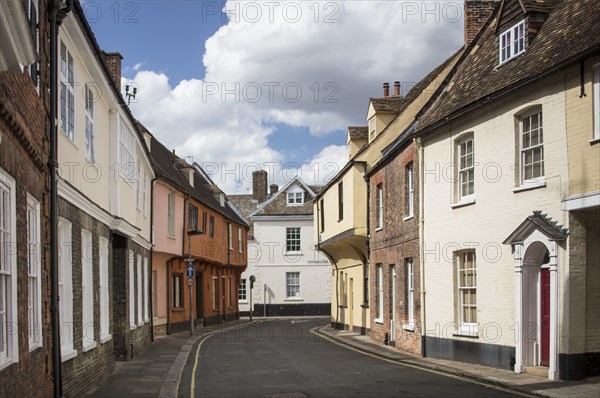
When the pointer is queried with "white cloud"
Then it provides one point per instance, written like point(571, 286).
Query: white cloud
point(284, 66)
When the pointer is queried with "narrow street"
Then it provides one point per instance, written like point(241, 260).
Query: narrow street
point(282, 358)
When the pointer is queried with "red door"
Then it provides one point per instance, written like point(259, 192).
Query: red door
point(545, 309)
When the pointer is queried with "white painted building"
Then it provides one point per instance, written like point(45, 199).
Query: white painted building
point(291, 276)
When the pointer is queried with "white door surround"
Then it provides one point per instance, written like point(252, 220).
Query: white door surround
point(535, 246)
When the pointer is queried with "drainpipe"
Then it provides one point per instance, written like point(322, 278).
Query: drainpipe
point(421, 152)
point(169, 262)
point(55, 17)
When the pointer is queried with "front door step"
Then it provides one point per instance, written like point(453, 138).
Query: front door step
point(541, 371)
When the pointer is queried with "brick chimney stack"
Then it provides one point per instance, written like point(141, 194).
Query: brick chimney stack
point(113, 62)
point(386, 89)
point(476, 14)
point(397, 89)
point(259, 186)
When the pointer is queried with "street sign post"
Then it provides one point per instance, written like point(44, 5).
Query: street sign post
point(190, 270)
point(190, 282)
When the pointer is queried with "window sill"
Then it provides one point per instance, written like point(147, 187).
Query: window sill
point(293, 254)
point(68, 355)
point(106, 338)
point(35, 347)
point(242, 301)
point(293, 299)
point(378, 229)
point(463, 203)
point(140, 324)
point(7, 362)
point(379, 321)
point(466, 332)
point(409, 327)
point(594, 141)
point(408, 217)
point(132, 327)
point(530, 186)
point(178, 309)
point(90, 346)
point(171, 237)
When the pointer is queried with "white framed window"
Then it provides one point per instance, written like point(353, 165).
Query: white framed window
point(104, 290)
point(242, 292)
point(597, 101)
point(138, 277)
point(131, 290)
point(127, 160)
point(9, 343)
point(87, 290)
point(292, 284)
point(465, 163)
point(240, 240)
point(65, 289)
point(177, 291)
point(410, 292)
point(144, 194)
point(171, 214)
point(532, 147)
point(230, 235)
point(466, 287)
point(292, 240)
point(90, 138)
point(145, 274)
point(67, 92)
point(512, 42)
point(214, 293)
point(409, 185)
point(34, 27)
point(138, 188)
point(34, 267)
point(295, 196)
point(379, 293)
point(372, 129)
point(379, 206)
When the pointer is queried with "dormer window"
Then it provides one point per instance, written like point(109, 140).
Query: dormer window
point(295, 196)
point(512, 42)
point(372, 131)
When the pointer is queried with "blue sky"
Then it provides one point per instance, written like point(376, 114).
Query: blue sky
point(176, 50)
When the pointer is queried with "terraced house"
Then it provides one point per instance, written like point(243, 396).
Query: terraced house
point(511, 272)
point(104, 221)
point(194, 223)
point(25, 338)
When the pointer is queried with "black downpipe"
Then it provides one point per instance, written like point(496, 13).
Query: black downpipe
point(55, 18)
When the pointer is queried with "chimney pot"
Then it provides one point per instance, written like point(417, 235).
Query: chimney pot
point(386, 89)
point(396, 88)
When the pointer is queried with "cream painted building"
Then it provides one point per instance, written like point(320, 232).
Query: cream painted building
point(510, 197)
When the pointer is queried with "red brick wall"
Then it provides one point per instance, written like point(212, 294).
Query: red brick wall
point(398, 240)
point(476, 14)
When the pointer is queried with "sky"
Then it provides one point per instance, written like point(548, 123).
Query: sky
point(243, 85)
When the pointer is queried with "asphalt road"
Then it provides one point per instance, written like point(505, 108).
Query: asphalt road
point(283, 359)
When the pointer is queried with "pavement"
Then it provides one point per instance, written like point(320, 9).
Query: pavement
point(519, 382)
point(158, 371)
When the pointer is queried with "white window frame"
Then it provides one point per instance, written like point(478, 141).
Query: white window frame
point(90, 136)
point(240, 240)
point(379, 206)
point(67, 92)
point(295, 196)
point(214, 292)
point(531, 148)
point(177, 294)
point(379, 293)
point(87, 290)
point(146, 300)
point(65, 289)
point(9, 350)
point(34, 267)
point(292, 285)
point(171, 214)
point(138, 274)
point(410, 191)
point(465, 292)
point(127, 158)
point(243, 292)
point(465, 168)
point(597, 102)
point(230, 236)
point(131, 267)
point(293, 240)
point(410, 293)
point(512, 42)
point(104, 290)
point(372, 129)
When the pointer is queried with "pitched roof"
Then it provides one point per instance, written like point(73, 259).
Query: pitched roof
point(358, 132)
point(540, 222)
point(277, 205)
point(388, 104)
point(571, 32)
point(539, 5)
point(165, 163)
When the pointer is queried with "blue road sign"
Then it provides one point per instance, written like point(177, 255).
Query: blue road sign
point(190, 270)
